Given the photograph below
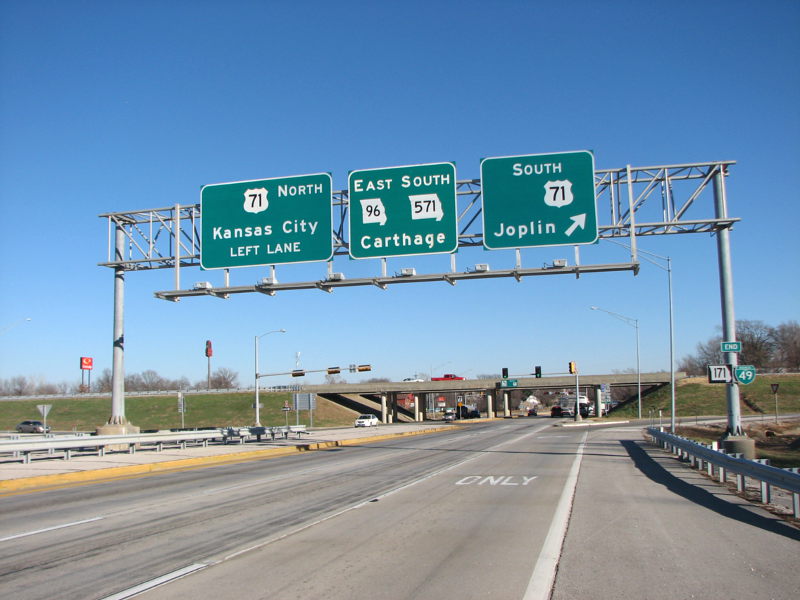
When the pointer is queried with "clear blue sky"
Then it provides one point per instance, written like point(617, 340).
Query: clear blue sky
point(121, 106)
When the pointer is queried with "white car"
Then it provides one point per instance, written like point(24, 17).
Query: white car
point(366, 421)
point(414, 379)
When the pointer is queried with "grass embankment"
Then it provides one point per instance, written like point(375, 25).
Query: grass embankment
point(161, 412)
point(695, 397)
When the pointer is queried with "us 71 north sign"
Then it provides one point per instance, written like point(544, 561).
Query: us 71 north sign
point(266, 221)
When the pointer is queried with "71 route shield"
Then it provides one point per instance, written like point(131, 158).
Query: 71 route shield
point(538, 200)
point(402, 211)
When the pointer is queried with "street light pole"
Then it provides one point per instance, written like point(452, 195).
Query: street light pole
point(635, 324)
point(668, 269)
point(258, 406)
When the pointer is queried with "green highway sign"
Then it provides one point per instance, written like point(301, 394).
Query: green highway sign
point(744, 373)
point(266, 221)
point(402, 211)
point(538, 200)
point(509, 383)
point(730, 346)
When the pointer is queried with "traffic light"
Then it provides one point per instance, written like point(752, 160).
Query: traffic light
point(505, 372)
point(209, 351)
point(572, 368)
point(537, 371)
point(364, 368)
point(298, 373)
point(334, 370)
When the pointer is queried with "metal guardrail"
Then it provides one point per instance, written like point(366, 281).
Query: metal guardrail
point(134, 394)
point(709, 457)
point(246, 432)
point(50, 443)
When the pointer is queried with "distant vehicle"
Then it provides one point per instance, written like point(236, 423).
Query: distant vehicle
point(566, 406)
point(474, 414)
point(447, 377)
point(32, 427)
point(449, 415)
point(366, 421)
point(532, 412)
point(413, 379)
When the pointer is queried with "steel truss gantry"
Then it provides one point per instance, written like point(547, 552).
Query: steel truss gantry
point(633, 201)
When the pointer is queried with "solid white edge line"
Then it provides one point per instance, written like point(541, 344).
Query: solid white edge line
point(544, 572)
point(53, 528)
point(148, 585)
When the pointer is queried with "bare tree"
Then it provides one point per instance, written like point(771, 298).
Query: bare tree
point(224, 379)
point(758, 346)
point(786, 340)
point(331, 379)
point(152, 381)
point(103, 383)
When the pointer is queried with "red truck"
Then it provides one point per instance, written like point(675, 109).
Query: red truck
point(447, 377)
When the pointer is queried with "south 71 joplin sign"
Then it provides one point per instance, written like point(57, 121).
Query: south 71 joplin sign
point(267, 222)
point(538, 200)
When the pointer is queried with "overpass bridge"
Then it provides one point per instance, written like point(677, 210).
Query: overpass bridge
point(381, 397)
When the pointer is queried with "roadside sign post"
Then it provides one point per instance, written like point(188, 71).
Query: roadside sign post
point(403, 211)
point(774, 387)
point(43, 410)
point(181, 407)
point(267, 221)
point(538, 200)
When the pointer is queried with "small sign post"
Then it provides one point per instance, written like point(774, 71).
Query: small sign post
point(774, 387)
point(181, 407)
point(43, 410)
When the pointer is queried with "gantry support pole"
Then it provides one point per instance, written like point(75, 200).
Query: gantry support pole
point(118, 359)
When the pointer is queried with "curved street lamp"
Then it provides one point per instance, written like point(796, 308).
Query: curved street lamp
point(258, 375)
point(635, 324)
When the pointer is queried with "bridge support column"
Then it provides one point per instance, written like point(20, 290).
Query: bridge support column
point(489, 406)
point(598, 402)
point(506, 411)
point(417, 416)
point(383, 408)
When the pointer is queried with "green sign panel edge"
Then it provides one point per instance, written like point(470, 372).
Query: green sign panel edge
point(430, 208)
point(322, 253)
point(589, 224)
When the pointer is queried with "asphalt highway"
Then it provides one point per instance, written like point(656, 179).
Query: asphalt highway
point(473, 512)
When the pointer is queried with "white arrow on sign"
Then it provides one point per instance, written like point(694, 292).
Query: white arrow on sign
point(577, 221)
